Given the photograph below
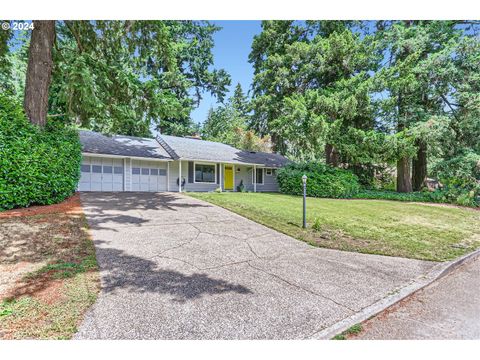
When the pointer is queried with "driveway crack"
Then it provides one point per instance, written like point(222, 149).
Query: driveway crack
point(300, 287)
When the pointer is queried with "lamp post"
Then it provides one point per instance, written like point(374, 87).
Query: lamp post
point(304, 181)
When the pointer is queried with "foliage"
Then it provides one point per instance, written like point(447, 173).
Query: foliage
point(37, 166)
point(221, 124)
point(465, 167)
point(128, 77)
point(12, 78)
point(353, 330)
point(308, 78)
point(371, 93)
point(452, 194)
point(323, 180)
point(248, 140)
point(228, 124)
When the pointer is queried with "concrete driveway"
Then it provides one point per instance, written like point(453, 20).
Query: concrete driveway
point(173, 267)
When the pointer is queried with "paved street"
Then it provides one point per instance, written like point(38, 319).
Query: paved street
point(447, 309)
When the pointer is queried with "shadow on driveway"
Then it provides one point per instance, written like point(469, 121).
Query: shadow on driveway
point(134, 274)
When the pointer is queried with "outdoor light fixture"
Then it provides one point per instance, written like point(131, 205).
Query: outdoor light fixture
point(304, 181)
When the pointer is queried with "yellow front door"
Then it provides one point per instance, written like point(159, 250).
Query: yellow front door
point(228, 178)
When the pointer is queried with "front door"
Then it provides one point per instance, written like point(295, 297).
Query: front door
point(228, 177)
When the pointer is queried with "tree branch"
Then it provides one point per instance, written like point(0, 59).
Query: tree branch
point(75, 34)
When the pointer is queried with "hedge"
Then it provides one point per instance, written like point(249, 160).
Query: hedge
point(37, 166)
point(323, 180)
point(447, 195)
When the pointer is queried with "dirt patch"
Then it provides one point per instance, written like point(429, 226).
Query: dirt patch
point(71, 205)
point(52, 293)
point(48, 271)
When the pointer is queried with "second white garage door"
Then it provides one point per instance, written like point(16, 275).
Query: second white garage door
point(149, 176)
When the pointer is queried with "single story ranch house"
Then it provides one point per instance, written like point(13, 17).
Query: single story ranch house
point(126, 163)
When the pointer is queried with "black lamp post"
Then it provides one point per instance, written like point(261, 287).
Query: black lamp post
point(304, 181)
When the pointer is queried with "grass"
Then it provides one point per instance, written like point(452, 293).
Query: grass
point(419, 231)
point(49, 300)
point(353, 330)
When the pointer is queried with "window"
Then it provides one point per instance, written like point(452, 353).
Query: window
point(118, 170)
point(162, 172)
point(136, 171)
point(145, 171)
point(97, 169)
point(107, 169)
point(153, 171)
point(205, 173)
point(259, 176)
point(85, 168)
point(268, 172)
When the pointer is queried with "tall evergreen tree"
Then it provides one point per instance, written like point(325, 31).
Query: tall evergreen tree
point(311, 80)
point(125, 76)
point(416, 91)
point(240, 101)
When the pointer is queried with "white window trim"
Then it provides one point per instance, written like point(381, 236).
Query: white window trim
point(263, 176)
point(205, 182)
point(267, 170)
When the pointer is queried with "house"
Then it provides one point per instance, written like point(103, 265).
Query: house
point(127, 163)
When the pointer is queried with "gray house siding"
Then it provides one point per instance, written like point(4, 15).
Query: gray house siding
point(189, 186)
point(167, 176)
point(244, 173)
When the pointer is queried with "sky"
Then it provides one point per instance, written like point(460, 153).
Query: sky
point(232, 46)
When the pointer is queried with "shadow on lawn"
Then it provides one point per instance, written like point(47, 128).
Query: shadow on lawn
point(135, 274)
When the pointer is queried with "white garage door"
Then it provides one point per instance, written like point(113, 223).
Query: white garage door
point(149, 175)
point(101, 174)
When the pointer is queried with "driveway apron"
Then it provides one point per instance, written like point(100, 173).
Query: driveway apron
point(174, 267)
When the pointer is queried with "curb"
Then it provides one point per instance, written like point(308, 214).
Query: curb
point(436, 273)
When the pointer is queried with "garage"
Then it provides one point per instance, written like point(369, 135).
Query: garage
point(101, 174)
point(149, 176)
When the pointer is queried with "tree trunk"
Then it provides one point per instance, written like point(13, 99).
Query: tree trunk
point(419, 167)
point(332, 157)
point(39, 71)
point(404, 181)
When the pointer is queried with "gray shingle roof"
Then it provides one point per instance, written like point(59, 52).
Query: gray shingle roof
point(96, 143)
point(195, 149)
point(172, 147)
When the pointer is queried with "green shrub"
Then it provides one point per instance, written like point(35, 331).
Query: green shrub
point(449, 195)
point(460, 177)
point(419, 196)
point(37, 166)
point(323, 180)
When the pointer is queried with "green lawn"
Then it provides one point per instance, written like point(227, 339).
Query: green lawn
point(420, 231)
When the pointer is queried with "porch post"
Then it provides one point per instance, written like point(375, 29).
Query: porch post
point(221, 176)
point(168, 175)
point(254, 178)
point(180, 176)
